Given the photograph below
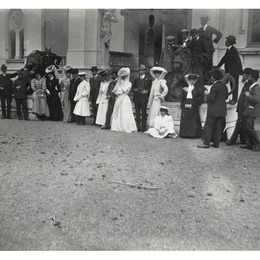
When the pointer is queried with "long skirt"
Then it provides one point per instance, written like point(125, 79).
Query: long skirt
point(153, 111)
point(55, 107)
point(190, 125)
point(122, 117)
point(40, 106)
point(66, 106)
point(101, 113)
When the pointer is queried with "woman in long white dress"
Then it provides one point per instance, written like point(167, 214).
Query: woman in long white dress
point(82, 109)
point(123, 117)
point(102, 99)
point(158, 92)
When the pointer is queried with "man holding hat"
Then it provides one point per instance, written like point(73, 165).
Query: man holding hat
point(166, 59)
point(94, 91)
point(252, 111)
point(233, 64)
point(111, 98)
point(217, 109)
point(141, 88)
point(72, 92)
point(6, 91)
point(240, 124)
point(206, 32)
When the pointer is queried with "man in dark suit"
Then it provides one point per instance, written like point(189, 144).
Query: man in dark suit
point(6, 91)
point(240, 124)
point(206, 32)
point(111, 99)
point(141, 88)
point(252, 111)
point(233, 64)
point(94, 91)
point(217, 109)
point(200, 55)
point(185, 38)
point(72, 92)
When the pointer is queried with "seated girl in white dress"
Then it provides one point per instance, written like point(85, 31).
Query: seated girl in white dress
point(163, 125)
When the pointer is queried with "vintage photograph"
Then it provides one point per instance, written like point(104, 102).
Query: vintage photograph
point(129, 129)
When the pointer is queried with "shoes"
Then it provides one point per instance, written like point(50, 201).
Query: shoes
point(256, 149)
point(3, 117)
point(245, 147)
point(228, 142)
point(9, 117)
point(202, 146)
point(104, 127)
point(27, 119)
point(215, 146)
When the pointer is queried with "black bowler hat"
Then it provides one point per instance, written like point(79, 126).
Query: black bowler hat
point(204, 17)
point(216, 73)
point(94, 68)
point(231, 39)
point(247, 71)
point(194, 31)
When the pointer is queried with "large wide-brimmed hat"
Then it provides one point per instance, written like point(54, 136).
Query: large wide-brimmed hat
point(216, 73)
point(104, 72)
point(50, 69)
point(68, 69)
point(232, 39)
point(123, 72)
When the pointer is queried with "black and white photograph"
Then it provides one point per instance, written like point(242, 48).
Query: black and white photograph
point(129, 128)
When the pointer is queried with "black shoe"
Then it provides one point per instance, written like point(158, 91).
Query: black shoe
point(202, 146)
point(9, 117)
point(214, 145)
point(228, 142)
point(3, 117)
point(256, 149)
point(105, 127)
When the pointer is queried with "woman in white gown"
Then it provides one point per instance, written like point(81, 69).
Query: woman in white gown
point(122, 117)
point(82, 109)
point(102, 99)
point(158, 92)
point(163, 125)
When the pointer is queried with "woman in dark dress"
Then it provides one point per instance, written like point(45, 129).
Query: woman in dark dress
point(53, 91)
point(192, 98)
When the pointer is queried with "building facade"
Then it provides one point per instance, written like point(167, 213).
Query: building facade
point(116, 38)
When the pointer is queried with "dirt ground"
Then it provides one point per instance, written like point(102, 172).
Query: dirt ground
point(69, 187)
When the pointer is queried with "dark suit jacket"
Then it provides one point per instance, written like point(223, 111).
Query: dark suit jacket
point(49, 59)
point(94, 88)
point(242, 99)
point(200, 51)
point(73, 87)
point(110, 94)
point(232, 62)
point(146, 86)
point(207, 36)
point(252, 105)
point(23, 83)
point(216, 100)
point(6, 83)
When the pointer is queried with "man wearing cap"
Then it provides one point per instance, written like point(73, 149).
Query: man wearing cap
point(252, 111)
point(111, 99)
point(166, 59)
point(185, 37)
point(217, 109)
point(233, 64)
point(206, 32)
point(94, 91)
point(141, 88)
point(6, 91)
point(240, 124)
point(75, 81)
point(200, 55)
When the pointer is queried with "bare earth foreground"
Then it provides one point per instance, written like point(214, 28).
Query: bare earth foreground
point(68, 187)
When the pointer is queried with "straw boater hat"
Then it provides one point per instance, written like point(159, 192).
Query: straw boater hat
point(170, 37)
point(94, 68)
point(185, 31)
point(82, 74)
point(164, 108)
